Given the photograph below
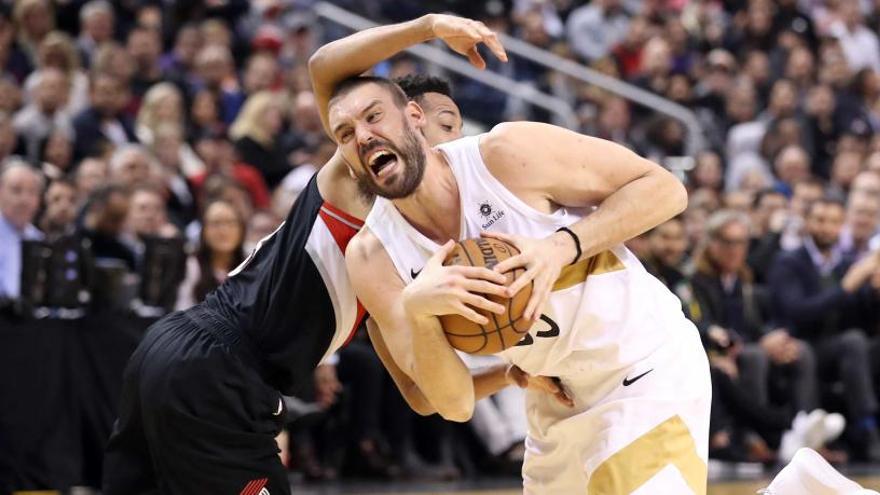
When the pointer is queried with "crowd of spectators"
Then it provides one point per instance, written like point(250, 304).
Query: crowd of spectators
point(163, 140)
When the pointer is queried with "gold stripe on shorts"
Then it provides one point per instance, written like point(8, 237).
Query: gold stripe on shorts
point(670, 442)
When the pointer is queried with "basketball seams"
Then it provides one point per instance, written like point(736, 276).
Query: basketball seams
point(465, 341)
point(482, 328)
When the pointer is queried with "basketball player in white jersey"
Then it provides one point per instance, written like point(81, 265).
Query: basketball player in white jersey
point(352, 55)
point(612, 333)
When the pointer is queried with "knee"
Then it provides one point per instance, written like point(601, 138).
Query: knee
point(753, 356)
point(854, 341)
point(806, 359)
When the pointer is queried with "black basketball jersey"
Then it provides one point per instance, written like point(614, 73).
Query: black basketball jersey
point(292, 297)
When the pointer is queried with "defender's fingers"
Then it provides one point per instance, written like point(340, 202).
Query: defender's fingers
point(517, 261)
point(482, 273)
point(484, 287)
point(480, 302)
point(470, 314)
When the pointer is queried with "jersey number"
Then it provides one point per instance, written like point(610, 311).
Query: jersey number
point(551, 332)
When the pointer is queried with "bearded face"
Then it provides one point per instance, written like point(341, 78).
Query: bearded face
point(383, 149)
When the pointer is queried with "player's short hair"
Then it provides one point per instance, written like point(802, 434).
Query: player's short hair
point(416, 85)
point(347, 85)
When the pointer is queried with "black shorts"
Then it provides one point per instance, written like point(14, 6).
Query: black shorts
point(195, 415)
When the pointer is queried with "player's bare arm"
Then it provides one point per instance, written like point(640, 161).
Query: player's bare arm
point(355, 54)
point(487, 381)
point(550, 167)
point(409, 327)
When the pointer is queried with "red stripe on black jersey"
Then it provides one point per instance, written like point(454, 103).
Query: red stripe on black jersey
point(343, 227)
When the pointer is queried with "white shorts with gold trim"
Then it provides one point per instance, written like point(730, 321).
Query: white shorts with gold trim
point(644, 430)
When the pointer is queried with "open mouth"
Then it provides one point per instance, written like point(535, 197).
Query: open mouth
point(382, 160)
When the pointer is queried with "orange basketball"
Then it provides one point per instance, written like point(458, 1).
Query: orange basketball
point(503, 330)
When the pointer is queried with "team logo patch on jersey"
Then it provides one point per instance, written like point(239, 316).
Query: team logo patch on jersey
point(490, 214)
point(256, 487)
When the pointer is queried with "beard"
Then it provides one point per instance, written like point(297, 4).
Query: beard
point(822, 243)
point(412, 159)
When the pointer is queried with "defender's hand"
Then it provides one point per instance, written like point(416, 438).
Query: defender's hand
point(543, 260)
point(464, 35)
point(552, 386)
point(442, 290)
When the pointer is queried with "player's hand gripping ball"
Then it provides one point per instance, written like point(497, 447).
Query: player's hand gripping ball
point(502, 331)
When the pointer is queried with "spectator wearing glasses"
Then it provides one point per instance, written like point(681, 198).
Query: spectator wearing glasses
point(736, 312)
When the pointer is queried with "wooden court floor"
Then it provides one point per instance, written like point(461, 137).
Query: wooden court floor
point(720, 488)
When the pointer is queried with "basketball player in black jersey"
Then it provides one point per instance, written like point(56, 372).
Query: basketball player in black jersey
point(201, 400)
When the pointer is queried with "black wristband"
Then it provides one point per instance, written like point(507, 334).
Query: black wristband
point(577, 243)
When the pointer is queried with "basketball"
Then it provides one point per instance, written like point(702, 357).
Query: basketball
point(502, 331)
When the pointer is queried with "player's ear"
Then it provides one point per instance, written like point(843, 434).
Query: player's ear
point(415, 114)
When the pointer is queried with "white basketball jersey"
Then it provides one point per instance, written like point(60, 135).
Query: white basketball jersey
point(605, 313)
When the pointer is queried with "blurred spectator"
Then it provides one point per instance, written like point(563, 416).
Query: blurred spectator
point(216, 73)
point(219, 251)
point(823, 127)
point(103, 124)
point(9, 142)
point(90, 174)
point(173, 154)
point(792, 164)
point(59, 52)
point(55, 155)
point(306, 130)
point(163, 106)
point(97, 25)
point(147, 216)
point(826, 300)
point(60, 209)
point(667, 247)
point(259, 226)
point(708, 171)
point(862, 224)
point(180, 62)
point(804, 193)
point(132, 164)
point(220, 160)
point(46, 112)
point(859, 43)
point(261, 74)
point(846, 166)
point(736, 311)
point(769, 217)
point(112, 58)
point(594, 29)
point(255, 133)
point(144, 46)
point(104, 223)
point(20, 189)
point(34, 19)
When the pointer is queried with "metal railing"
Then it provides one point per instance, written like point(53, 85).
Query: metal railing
point(695, 139)
point(557, 106)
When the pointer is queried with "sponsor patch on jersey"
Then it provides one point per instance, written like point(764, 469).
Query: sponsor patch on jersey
point(489, 214)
